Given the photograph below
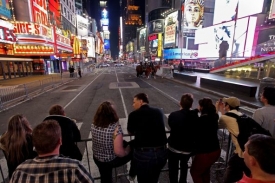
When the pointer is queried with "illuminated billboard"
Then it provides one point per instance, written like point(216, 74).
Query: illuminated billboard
point(82, 26)
point(106, 44)
point(104, 14)
point(227, 10)
point(177, 53)
point(220, 42)
point(105, 28)
point(104, 22)
point(155, 26)
point(141, 39)
point(171, 24)
point(265, 42)
point(192, 11)
point(5, 8)
point(272, 10)
point(153, 44)
point(40, 11)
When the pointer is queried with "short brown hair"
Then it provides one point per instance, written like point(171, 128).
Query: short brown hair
point(46, 136)
point(186, 101)
point(105, 115)
point(143, 97)
point(56, 110)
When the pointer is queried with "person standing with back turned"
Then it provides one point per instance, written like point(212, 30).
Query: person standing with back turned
point(150, 152)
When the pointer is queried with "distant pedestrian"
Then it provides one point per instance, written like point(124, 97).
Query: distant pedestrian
point(71, 70)
point(172, 70)
point(265, 115)
point(79, 72)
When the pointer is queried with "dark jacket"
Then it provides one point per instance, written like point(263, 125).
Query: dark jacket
point(147, 124)
point(207, 138)
point(183, 130)
point(70, 135)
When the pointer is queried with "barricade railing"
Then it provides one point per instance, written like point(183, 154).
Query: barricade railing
point(224, 137)
point(25, 91)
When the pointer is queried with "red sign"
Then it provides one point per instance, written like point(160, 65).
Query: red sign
point(40, 14)
point(63, 39)
point(31, 28)
point(6, 35)
point(153, 37)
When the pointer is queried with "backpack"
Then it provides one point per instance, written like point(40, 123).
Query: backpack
point(247, 127)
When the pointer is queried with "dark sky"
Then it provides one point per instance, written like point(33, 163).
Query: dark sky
point(114, 14)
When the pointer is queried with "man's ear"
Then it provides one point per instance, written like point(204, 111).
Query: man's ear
point(60, 140)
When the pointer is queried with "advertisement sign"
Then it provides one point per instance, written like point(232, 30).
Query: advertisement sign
point(177, 53)
point(28, 28)
point(156, 26)
point(159, 45)
point(5, 9)
point(40, 14)
point(142, 37)
point(104, 14)
point(192, 13)
point(82, 26)
point(106, 44)
point(104, 22)
point(171, 24)
point(272, 10)
point(220, 42)
point(6, 32)
point(265, 42)
point(153, 44)
point(91, 47)
point(226, 10)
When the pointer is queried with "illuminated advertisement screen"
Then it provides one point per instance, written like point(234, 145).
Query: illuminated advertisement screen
point(142, 37)
point(192, 13)
point(272, 10)
point(105, 28)
point(82, 26)
point(40, 9)
point(106, 44)
point(265, 42)
point(104, 14)
point(177, 53)
point(153, 44)
point(104, 22)
point(5, 8)
point(226, 10)
point(170, 30)
point(155, 26)
point(220, 42)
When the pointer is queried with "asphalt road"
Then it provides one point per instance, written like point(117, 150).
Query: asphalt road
point(81, 98)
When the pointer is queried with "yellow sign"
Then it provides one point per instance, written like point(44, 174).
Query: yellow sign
point(159, 45)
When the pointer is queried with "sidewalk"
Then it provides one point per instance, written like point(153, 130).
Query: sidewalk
point(32, 78)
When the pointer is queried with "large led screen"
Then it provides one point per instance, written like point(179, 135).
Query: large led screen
point(178, 53)
point(225, 39)
point(227, 10)
point(170, 30)
point(265, 42)
point(153, 44)
point(155, 26)
point(141, 39)
point(272, 10)
point(192, 15)
point(106, 44)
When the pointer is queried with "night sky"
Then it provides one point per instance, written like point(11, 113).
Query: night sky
point(114, 14)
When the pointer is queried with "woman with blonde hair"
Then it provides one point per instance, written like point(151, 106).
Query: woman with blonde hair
point(107, 138)
point(16, 142)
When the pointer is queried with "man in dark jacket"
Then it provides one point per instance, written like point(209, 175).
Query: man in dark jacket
point(70, 132)
point(150, 153)
point(181, 142)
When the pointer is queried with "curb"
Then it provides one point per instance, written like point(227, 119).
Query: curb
point(212, 92)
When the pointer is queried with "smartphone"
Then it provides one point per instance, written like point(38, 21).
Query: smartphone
point(220, 101)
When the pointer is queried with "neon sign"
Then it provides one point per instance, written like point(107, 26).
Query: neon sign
point(40, 14)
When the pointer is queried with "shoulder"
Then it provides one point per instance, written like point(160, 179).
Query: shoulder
point(59, 119)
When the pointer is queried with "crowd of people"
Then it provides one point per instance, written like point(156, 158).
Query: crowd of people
point(49, 153)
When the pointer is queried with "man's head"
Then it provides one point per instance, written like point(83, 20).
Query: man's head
point(139, 100)
point(57, 110)
point(267, 96)
point(186, 101)
point(231, 103)
point(260, 153)
point(47, 137)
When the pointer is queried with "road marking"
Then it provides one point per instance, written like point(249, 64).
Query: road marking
point(81, 91)
point(122, 99)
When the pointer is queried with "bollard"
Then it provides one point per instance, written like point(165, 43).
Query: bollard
point(26, 91)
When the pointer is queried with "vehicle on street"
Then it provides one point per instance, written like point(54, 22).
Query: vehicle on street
point(119, 64)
